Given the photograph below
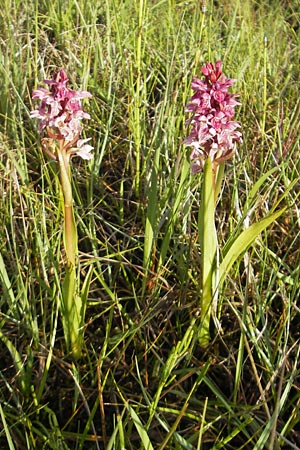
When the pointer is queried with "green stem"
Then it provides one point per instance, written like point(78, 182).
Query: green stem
point(70, 232)
point(73, 308)
point(208, 244)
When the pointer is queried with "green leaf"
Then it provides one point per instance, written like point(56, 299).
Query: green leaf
point(173, 213)
point(6, 284)
point(71, 309)
point(6, 429)
point(257, 186)
point(85, 291)
point(243, 242)
point(140, 428)
point(23, 380)
point(151, 217)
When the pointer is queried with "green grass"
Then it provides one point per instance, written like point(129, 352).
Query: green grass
point(143, 382)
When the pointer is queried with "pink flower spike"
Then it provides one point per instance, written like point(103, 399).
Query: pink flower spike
point(213, 132)
point(60, 111)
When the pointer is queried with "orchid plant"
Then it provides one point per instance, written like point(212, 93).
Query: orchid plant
point(213, 138)
point(60, 114)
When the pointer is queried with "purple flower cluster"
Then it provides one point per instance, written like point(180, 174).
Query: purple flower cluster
point(60, 112)
point(213, 133)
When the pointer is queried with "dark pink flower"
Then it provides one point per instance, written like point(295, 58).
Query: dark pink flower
point(60, 110)
point(212, 72)
point(213, 132)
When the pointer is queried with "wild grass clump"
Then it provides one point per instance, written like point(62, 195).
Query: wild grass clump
point(143, 381)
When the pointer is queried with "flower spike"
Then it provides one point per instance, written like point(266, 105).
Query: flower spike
point(60, 112)
point(214, 132)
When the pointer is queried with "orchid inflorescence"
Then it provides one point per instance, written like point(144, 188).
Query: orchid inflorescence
point(213, 138)
point(60, 113)
point(213, 132)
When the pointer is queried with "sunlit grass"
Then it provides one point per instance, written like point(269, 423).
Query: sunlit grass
point(143, 382)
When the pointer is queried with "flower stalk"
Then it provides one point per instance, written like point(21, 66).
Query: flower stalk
point(70, 230)
point(60, 114)
point(208, 244)
point(213, 137)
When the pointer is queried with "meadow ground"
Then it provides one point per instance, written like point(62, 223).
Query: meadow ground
point(142, 382)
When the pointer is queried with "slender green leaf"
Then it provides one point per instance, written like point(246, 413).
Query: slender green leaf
point(140, 428)
point(5, 281)
point(18, 363)
point(257, 186)
point(243, 242)
point(85, 292)
point(151, 216)
point(71, 309)
point(6, 429)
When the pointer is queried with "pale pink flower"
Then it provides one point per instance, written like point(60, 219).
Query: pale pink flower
point(213, 132)
point(83, 149)
point(60, 111)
